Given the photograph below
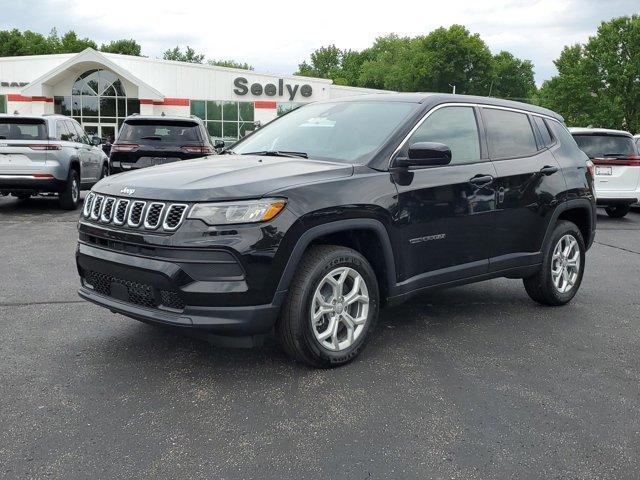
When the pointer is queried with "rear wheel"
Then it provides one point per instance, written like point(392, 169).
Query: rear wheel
point(562, 267)
point(331, 308)
point(617, 211)
point(70, 197)
point(104, 172)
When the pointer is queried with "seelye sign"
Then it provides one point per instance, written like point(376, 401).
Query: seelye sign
point(242, 87)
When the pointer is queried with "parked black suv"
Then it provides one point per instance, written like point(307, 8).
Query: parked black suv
point(312, 223)
point(145, 141)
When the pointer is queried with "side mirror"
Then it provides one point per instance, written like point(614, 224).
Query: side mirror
point(218, 143)
point(96, 140)
point(425, 154)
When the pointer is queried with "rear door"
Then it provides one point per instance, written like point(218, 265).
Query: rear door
point(22, 145)
point(527, 185)
point(88, 157)
point(617, 166)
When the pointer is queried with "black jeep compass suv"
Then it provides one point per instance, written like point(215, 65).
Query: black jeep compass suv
point(312, 223)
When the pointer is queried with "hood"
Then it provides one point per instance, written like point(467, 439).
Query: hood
point(220, 177)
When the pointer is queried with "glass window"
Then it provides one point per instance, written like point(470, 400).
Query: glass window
point(455, 127)
point(214, 110)
point(215, 129)
point(162, 131)
point(598, 146)
point(246, 111)
point(62, 106)
point(133, 106)
point(62, 132)
point(544, 131)
point(74, 135)
point(230, 111)
point(122, 107)
point(3, 104)
point(342, 131)
point(509, 134)
point(198, 109)
point(22, 129)
point(284, 107)
point(107, 107)
point(230, 130)
point(89, 106)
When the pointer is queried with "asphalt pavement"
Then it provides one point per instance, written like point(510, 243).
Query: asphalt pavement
point(475, 382)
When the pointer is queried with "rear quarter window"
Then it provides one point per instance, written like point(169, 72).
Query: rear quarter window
point(509, 134)
point(22, 129)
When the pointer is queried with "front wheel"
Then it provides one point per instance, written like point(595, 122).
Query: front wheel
point(618, 211)
point(331, 308)
point(562, 267)
point(70, 197)
point(104, 172)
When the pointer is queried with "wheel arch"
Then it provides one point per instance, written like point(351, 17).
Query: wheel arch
point(579, 211)
point(364, 235)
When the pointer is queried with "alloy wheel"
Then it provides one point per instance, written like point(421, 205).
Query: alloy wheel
point(565, 263)
point(339, 309)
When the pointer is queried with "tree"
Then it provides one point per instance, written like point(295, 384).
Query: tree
point(230, 64)
point(123, 47)
point(512, 77)
point(70, 43)
point(598, 83)
point(189, 55)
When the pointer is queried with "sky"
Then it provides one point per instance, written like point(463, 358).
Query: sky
point(276, 35)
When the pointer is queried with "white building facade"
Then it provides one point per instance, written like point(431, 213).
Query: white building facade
point(101, 89)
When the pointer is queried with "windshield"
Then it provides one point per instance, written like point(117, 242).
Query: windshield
point(22, 129)
point(159, 131)
point(598, 146)
point(342, 131)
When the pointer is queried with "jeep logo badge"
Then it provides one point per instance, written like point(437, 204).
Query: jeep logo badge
point(127, 191)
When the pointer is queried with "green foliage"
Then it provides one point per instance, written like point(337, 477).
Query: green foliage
point(14, 43)
point(189, 55)
point(123, 47)
point(230, 64)
point(433, 62)
point(598, 83)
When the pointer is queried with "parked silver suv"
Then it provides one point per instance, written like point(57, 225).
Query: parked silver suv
point(51, 153)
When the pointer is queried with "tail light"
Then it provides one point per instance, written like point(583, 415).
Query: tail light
point(196, 149)
point(591, 169)
point(45, 146)
point(42, 176)
point(630, 161)
point(124, 147)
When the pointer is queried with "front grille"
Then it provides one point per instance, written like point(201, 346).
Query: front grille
point(107, 211)
point(154, 215)
point(141, 294)
point(121, 211)
point(96, 207)
point(134, 214)
point(174, 216)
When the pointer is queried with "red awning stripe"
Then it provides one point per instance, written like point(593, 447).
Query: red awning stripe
point(15, 97)
point(171, 102)
point(265, 104)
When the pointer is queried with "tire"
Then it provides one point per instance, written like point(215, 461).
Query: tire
point(541, 286)
point(295, 329)
point(104, 172)
point(22, 196)
point(70, 197)
point(618, 211)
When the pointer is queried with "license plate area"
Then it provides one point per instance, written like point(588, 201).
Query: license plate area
point(604, 171)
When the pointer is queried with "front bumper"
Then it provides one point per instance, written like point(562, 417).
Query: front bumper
point(185, 292)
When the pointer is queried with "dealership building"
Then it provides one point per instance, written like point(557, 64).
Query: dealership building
point(101, 89)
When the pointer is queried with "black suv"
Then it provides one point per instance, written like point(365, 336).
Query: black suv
point(312, 223)
point(145, 141)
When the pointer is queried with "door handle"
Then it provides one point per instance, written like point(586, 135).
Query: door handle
point(548, 170)
point(481, 179)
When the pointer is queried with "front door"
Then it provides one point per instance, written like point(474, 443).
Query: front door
point(446, 213)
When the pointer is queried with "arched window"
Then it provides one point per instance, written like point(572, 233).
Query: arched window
point(97, 97)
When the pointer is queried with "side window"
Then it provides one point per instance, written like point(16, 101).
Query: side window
point(62, 132)
point(73, 135)
point(82, 137)
point(455, 127)
point(545, 135)
point(562, 134)
point(509, 134)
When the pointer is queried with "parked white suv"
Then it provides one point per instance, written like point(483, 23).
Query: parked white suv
point(617, 167)
point(51, 153)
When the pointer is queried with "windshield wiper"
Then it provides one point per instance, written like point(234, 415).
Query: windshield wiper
point(279, 153)
point(151, 137)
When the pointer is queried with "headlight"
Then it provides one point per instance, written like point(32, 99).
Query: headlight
point(228, 213)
